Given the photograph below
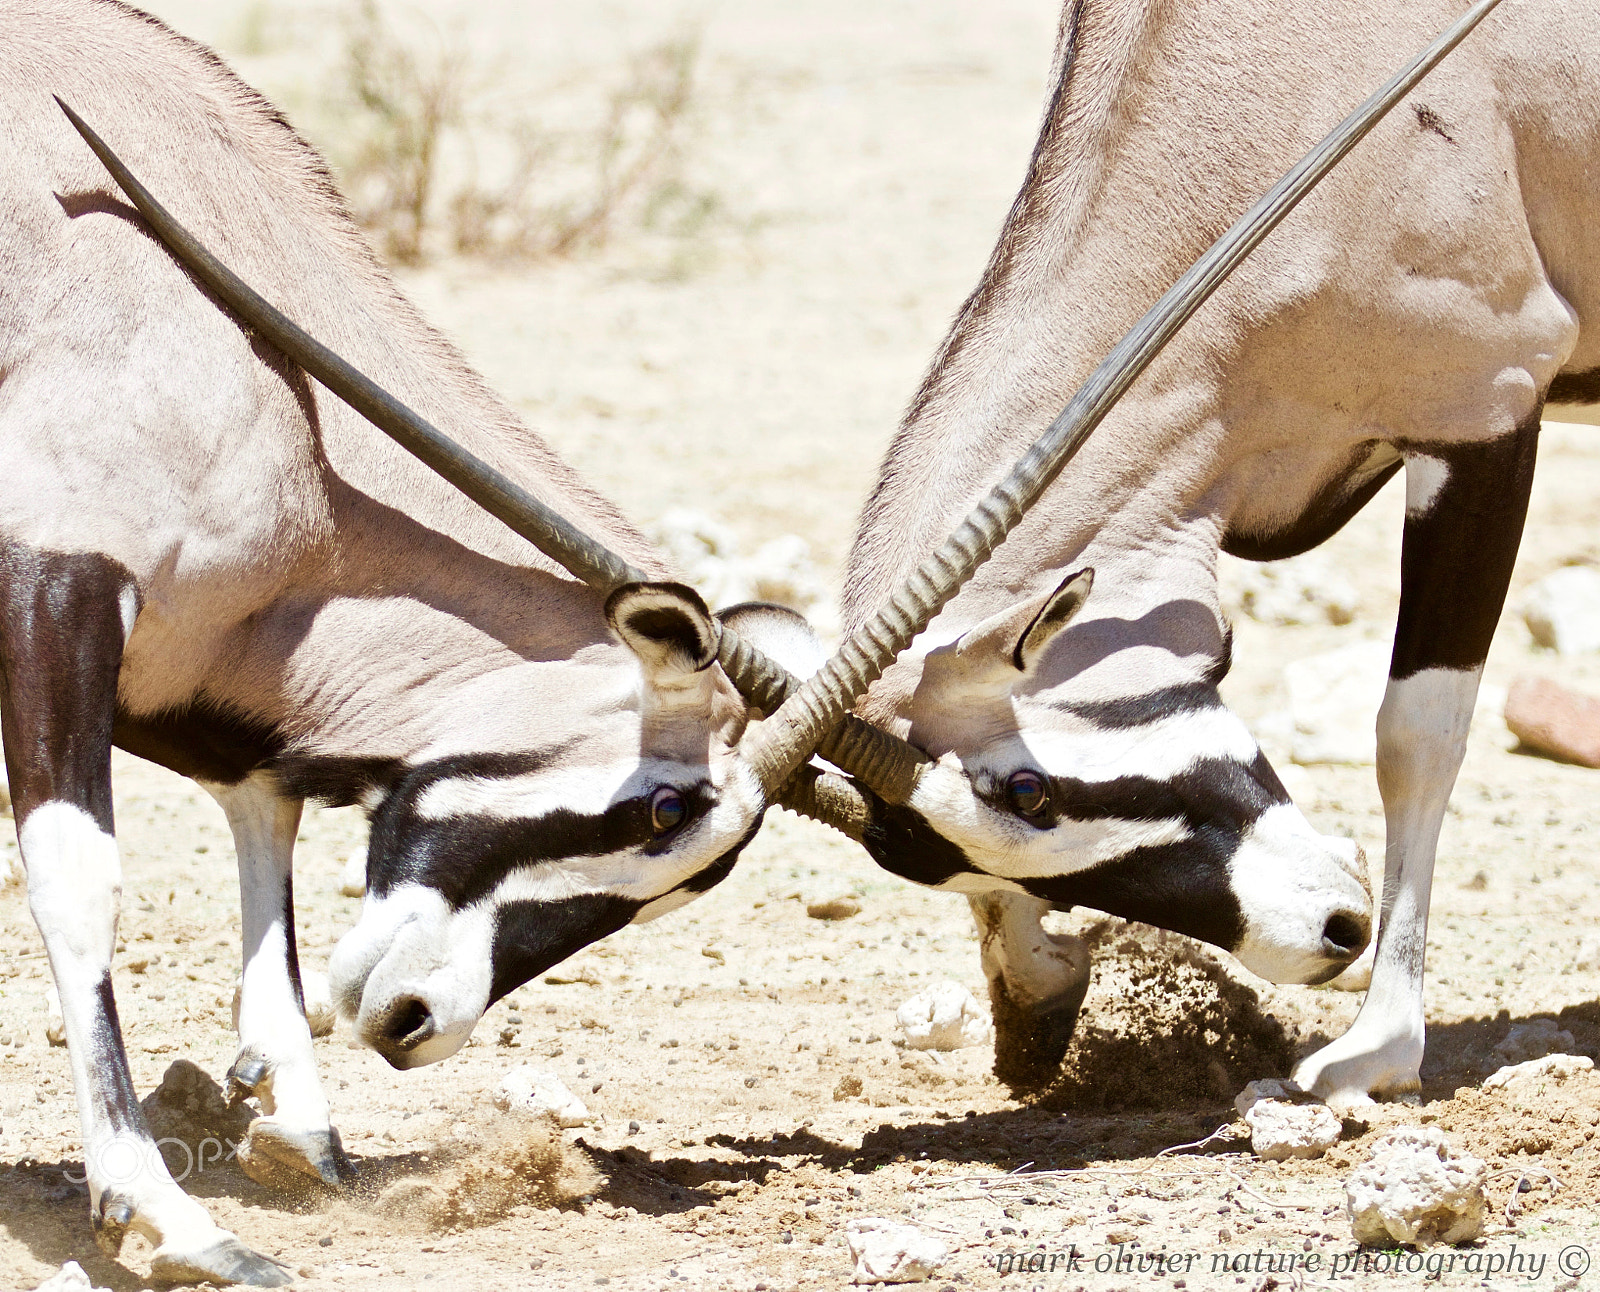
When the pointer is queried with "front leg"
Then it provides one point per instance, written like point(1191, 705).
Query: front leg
point(63, 622)
point(1037, 983)
point(1465, 506)
point(295, 1139)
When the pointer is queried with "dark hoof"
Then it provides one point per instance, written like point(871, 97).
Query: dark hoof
point(283, 1157)
point(111, 1223)
point(225, 1261)
point(1029, 1045)
point(248, 1072)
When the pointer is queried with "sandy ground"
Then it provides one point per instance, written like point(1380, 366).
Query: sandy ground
point(863, 155)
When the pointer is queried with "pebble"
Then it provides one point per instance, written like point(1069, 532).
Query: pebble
point(529, 1090)
point(1550, 718)
point(834, 908)
point(888, 1251)
point(1562, 610)
point(1416, 1189)
point(70, 1278)
point(944, 1016)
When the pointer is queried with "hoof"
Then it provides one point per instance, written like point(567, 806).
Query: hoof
point(283, 1157)
point(224, 1261)
point(111, 1222)
point(248, 1072)
point(1029, 1045)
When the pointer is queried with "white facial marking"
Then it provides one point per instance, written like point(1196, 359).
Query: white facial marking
point(1159, 750)
point(1425, 477)
point(585, 790)
point(1289, 881)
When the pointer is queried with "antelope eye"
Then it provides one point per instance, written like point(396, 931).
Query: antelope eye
point(667, 810)
point(1027, 793)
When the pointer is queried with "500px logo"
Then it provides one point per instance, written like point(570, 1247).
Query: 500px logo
point(125, 1161)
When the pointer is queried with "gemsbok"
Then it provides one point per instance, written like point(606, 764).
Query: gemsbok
point(209, 563)
point(1416, 312)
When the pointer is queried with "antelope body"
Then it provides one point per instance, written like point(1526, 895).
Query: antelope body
point(1415, 312)
point(206, 561)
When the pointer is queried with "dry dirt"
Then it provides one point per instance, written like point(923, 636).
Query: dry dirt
point(863, 155)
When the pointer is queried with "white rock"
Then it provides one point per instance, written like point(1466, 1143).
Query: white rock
point(1562, 610)
point(945, 1016)
point(1280, 1130)
point(319, 1001)
point(353, 877)
point(1533, 1040)
point(530, 1090)
point(1285, 1121)
point(1306, 589)
point(1416, 1189)
point(70, 1278)
point(1553, 1068)
point(886, 1251)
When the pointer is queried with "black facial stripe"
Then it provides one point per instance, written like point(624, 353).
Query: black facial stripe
point(1220, 792)
point(464, 857)
point(705, 880)
point(1456, 558)
point(1180, 886)
point(1137, 710)
point(900, 840)
point(530, 937)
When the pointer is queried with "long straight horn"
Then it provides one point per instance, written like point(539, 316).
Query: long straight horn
point(781, 744)
point(883, 762)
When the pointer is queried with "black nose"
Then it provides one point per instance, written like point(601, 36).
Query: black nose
point(1344, 936)
point(408, 1025)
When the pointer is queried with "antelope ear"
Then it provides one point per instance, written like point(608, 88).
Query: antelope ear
point(1020, 634)
point(779, 633)
point(666, 625)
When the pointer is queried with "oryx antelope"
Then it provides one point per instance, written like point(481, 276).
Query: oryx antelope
point(1414, 313)
point(218, 568)
point(207, 562)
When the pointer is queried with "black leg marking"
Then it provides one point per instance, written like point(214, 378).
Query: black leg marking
point(1458, 555)
point(1576, 388)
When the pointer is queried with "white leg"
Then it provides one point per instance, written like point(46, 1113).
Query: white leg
point(1422, 737)
point(1037, 981)
point(276, 1064)
point(74, 890)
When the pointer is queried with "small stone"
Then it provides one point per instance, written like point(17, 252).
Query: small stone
point(1550, 718)
point(1280, 1130)
point(834, 908)
point(528, 1090)
point(1533, 1040)
point(847, 1088)
point(1555, 1068)
point(353, 875)
point(945, 1016)
point(1562, 610)
point(325, 1241)
point(70, 1278)
point(886, 1251)
point(1415, 1189)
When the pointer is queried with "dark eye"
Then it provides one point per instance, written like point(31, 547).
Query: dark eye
point(1027, 793)
point(667, 810)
